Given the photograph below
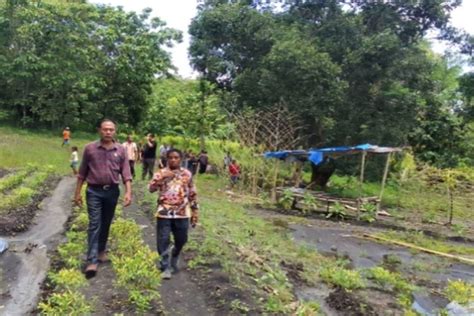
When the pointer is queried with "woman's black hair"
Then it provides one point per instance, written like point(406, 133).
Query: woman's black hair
point(174, 150)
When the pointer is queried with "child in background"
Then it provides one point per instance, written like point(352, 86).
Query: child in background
point(74, 160)
point(234, 170)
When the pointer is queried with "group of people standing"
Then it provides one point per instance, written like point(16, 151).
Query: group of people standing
point(105, 163)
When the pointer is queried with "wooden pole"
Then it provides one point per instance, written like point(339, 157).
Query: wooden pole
point(297, 175)
point(361, 181)
point(384, 180)
point(404, 244)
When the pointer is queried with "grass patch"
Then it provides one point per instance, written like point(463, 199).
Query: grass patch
point(421, 240)
point(20, 147)
point(460, 291)
point(341, 277)
point(251, 251)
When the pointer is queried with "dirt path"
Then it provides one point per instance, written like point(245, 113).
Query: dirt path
point(180, 295)
point(338, 239)
point(26, 263)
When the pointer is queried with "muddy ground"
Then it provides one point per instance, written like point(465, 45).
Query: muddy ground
point(25, 264)
point(343, 240)
point(203, 291)
point(19, 219)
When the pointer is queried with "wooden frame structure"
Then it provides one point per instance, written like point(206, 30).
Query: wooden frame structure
point(336, 152)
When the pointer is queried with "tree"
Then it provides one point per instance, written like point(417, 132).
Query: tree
point(74, 63)
point(356, 72)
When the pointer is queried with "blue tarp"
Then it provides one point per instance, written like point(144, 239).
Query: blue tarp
point(316, 155)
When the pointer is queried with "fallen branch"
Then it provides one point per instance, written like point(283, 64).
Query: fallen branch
point(411, 246)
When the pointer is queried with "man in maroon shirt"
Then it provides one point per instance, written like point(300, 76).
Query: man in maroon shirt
point(103, 163)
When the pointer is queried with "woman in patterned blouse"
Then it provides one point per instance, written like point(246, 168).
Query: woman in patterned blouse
point(177, 206)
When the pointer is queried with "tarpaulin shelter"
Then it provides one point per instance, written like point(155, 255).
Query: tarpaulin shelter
point(318, 155)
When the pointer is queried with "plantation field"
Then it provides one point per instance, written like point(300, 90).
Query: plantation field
point(241, 259)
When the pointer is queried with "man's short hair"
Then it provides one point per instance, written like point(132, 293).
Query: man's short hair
point(104, 120)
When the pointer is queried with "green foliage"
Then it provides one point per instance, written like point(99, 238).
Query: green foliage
point(339, 276)
point(135, 264)
point(12, 180)
point(309, 202)
point(287, 199)
point(99, 61)
point(389, 280)
point(424, 241)
point(337, 211)
point(369, 212)
point(181, 107)
point(323, 60)
point(68, 279)
point(72, 251)
point(459, 291)
point(66, 303)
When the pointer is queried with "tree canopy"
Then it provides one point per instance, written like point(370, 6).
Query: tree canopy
point(73, 63)
point(354, 71)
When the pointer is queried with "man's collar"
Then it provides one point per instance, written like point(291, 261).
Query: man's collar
point(99, 144)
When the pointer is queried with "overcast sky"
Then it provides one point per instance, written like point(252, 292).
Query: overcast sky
point(178, 15)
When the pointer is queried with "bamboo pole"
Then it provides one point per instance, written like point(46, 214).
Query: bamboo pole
point(361, 181)
point(384, 180)
point(430, 251)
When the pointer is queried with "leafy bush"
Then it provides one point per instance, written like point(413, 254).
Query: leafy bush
point(68, 303)
point(337, 211)
point(388, 279)
point(369, 212)
point(309, 202)
point(338, 276)
point(286, 200)
point(68, 279)
point(460, 291)
point(135, 264)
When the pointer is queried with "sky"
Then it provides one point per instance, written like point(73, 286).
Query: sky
point(178, 14)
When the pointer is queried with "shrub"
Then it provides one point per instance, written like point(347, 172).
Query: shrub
point(68, 303)
point(68, 279)
point(338, 276)
point(286, 200)
point(460, 291)
point(337, 211)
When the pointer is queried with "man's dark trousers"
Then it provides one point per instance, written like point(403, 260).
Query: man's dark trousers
point(148, 167)
point(101, 205)
point(132, 167)
point(164, 227)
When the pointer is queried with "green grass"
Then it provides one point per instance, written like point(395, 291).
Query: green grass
point(424, 241)
point(251, 250)
point(20, 147)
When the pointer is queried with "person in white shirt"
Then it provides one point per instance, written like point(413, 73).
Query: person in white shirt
point(132, 153)
point(74, 160)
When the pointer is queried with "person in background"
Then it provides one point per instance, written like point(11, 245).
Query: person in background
point(203, 161)
point(227, 160)
point(177, 206)
point(66, 136)
point(74, 159)
point(132, 153)
point(192, 163)
point(163, 153)
point(104, 162)
point(184, 162)
point(149, 156)
point(234, 171)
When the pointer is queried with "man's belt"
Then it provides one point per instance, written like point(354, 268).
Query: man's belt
point(104, 187)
